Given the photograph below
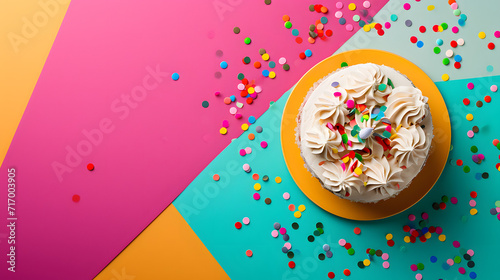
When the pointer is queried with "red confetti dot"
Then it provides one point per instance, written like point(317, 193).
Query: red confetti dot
point(413, 39)
point(491, 46)
point(368, 250)
point(298, 40)
point(390, 243)
point(423, 239)
point(317, 8)
point(378, 26)
point(473, 194)
point(347, 246)
point(76, 198)
point(90, 166)
point(466, 101)
point(357, 230)
point(380, 32)
point(243, 93)
point(347, 272)
point(237, 225)
point(244, 81)
point(457, 65)
point(435, 28)
point(415, 233)
point(487, 99)
point(422, 29)
point(406, 228)
point(460, 162)
point(249, 100)
point(331, 275)
point(413, 239)
point(302, 55)
point(442, 205)
point(432, 229)
point(291, 264)
point(329, 33)
point(453, 44)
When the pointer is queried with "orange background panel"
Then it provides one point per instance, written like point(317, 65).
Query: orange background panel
point(167, 249)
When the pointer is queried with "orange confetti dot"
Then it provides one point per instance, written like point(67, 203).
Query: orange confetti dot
point(255, 176)
point(251, 136)
point(324, 10)
point(291, 207)
point(311, 40)
point(298, 40)
point(249, 253)
point(216, 177)
point(286, 18)
point(256, 64)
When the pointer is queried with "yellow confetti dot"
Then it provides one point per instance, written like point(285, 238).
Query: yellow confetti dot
point(407, 239)
point(346, 159)
point(473, 211)
point(440, 28)
point(388, 236)
point(469, 117)
point(367, 28)
point(277, 179)
point(428, 235)
point(335, 150)
point(250, 90)
point(358, 171)
point(372, 25)
point(430, 7)
point(302, 208)
point(297, 214)
point(257, 187)
point(223, 130)
point(366, 262)
point(442, 237)
point(352, 6)
point(481, 35)
point(272, 75)
point(445, 77)
point(265, 57)
point(244, 127)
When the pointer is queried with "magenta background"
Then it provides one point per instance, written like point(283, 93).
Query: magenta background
point(101, 52)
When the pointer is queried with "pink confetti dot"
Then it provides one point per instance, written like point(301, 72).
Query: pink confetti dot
point(387, 25)
point(411, 217)
point(406, 6)
point(439, 230)
point(472, 203)
point(425, 216)
point(496, 34)
point(241, 86)
point(454, 29)
point(242, 152)
point(246, 220)
point(456, 244)
point(233, 110)
point(494, 88)
point(225, 123)
point(386, 264)
point(283, 231)
point(418, 276)
point(349, 27)
point(288, 245)
point(470, 85)
point(470, 133)
point(274, 233)
point(337, 94)
point(256, 196)
point(339, 5)
point(461, 270)
point(263, 144)
point(248, 150)
point(385, 256)
point(217, 93)
point(454, 200)
point(238, 116)
point(338, 14)
point(470, 252)
point(286, 196)
point(413, 267)
point(342, 242)
point(450, 262)
point(454, 6)
point(367, 4)
point(258, 89)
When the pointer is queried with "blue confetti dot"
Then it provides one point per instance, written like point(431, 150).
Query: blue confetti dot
point(175, 76)
point(265, 73)
point(489, 68)
point(458, 58)
point(394, 17)
point(335, 84)
point(233, 98)
point(361, 23)
point(251, 119)
point(446, 266)
point(463, 16)
point(295, 32)
point(324, 20)
point(425, 230)
point(342, 21)
point(439, 42)
point(308, 53)
point(223, 65)
point(461, 22)
point(271, 64)
point(420, 44)
point(434, 259)
point(472, 275)
point(478, 176)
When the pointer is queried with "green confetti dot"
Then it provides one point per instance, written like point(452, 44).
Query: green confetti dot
point(474, 149)
point(498, 145)
point(241, 76)
point(248, 40)
point(466, 169)
point(356, 18)
point(311, 8)
point(420, 266)
point(286, 67)
point(312, 27)
point(204, 104)
point(444, 25)
point(246, 59)
point(343, 64)
point(288, 24)
point(457, 12)
point(372, 252)
point(446, 61)
point(444, 199)
point(321, 231)
point(350, 251)
point(437, 50)
point(457, 259)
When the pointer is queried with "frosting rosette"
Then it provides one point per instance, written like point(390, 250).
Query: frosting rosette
point(323, 141)
point(406, 106)
point(330, 107)
point(382, 176)
point(361, 83)
point(339, 180)
point(410, 146)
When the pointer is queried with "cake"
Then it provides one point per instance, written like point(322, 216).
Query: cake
point(364, 131)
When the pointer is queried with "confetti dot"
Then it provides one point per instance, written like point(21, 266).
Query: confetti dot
point(175, 76)
point(249, 253)
point(236, 30)
point(223, 130)
point(481, 35)
point(420, 44)
point(469, 117)
point(385, 264)
point(491, 46)
point(445, 77)
point(286, 196)
point(204, 104)
point(489, 68)
point(297, 214)
point(302, 208)
point(75, 198)
point(408, 23)
point(406, 6)
point(357, 230)
point(90, 167)
point(352, 7)
point(216, 177)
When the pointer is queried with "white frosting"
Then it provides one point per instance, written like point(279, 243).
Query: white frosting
point(320, 140)
point(410, 146)
point(406, 106)
point(339, 180)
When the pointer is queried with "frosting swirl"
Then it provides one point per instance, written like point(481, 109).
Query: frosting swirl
point(406, 105)
point(383, 177)
point(361, 82)
point(323, 141)
point(410, 146)
point(332, 108)
point(339, 180)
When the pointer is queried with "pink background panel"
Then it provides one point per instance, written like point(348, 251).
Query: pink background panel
point(151, 152)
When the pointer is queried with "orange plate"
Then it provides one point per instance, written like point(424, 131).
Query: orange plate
point(419, 187)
